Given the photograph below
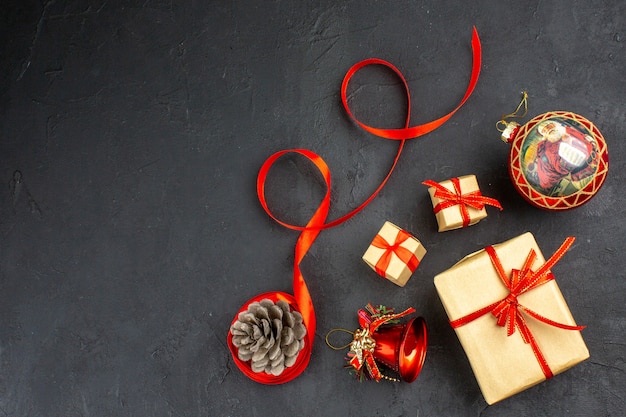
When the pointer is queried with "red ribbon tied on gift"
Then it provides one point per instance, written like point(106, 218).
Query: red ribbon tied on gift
point(509, 312)
point(390, 249)
point(362, 347)
point(472, 199)
point(301, 300)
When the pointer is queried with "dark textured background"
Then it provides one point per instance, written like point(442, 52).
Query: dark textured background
point(131, 134)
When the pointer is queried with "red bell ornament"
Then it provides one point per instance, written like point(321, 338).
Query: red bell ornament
point(558, 160)
point(402, 347)
point(383, 341)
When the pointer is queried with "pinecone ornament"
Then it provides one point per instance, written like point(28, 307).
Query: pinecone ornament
point(269, 335)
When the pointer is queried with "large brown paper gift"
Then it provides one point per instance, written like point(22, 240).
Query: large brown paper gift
point(457, 202)
point(505, 365)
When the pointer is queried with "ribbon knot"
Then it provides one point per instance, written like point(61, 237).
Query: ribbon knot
point(509, 312)
point(395, 248)
point(512, 300)
point(455, 197)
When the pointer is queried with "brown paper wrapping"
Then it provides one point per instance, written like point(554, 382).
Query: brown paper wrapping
point(505, 365)
point(397, 272)
point(451, 218)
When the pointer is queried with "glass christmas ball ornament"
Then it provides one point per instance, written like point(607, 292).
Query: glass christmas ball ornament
point(558, 160)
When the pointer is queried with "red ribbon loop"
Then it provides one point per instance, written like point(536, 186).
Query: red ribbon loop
point(472, 199)
point(508, 311)
point(302, 298)
point(415, 131)
point(402, 253)
point(374, 325)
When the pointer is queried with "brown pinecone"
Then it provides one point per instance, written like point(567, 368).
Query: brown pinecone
point(270, 335)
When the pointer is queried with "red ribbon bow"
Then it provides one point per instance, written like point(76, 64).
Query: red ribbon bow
point(301, 300)
point(401, 252)
point(508, 311)
point(472, 199)
point(362, 347)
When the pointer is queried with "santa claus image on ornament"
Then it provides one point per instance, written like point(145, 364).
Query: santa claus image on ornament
point(559, 157)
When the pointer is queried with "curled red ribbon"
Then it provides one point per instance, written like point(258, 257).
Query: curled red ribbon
point(508, 311)
point(301, 300)
point(402, 253)
point(472, 199)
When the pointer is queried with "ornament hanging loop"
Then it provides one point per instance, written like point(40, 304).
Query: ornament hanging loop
point(333, 347)
point(502, 124)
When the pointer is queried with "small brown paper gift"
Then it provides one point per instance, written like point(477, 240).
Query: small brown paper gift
point(538, 337)
point(394, 254)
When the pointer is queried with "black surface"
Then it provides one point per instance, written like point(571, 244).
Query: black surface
point(131, 134)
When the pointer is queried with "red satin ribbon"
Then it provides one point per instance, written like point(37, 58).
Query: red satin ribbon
point(402, 253)
point(415, 131)
point(302, 299)
point(508, 311)
point(472, 199)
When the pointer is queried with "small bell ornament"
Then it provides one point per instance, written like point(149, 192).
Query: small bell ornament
point(383, 341)
point(558, 160)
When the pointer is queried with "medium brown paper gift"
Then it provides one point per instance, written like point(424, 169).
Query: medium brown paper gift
point(505, 365)
point(457, 202)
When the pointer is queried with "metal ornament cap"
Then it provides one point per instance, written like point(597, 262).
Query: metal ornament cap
point(509, 132)
point(558, 160)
